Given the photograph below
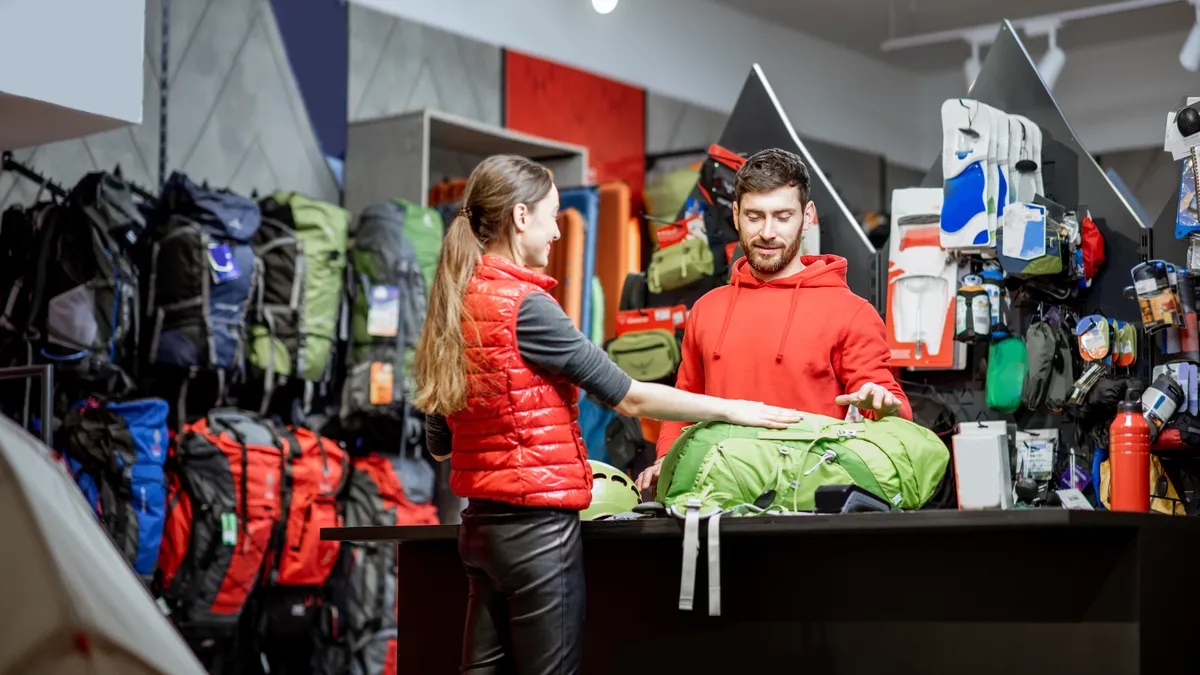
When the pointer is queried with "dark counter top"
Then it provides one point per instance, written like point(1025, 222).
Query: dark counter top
point(787, 525)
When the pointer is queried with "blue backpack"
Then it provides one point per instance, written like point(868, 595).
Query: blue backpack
point(116, 453)
point(202, 274)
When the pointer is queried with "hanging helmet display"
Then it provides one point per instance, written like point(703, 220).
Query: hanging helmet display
point(612, 492)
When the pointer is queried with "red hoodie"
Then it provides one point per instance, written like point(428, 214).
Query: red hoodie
point(797, 342)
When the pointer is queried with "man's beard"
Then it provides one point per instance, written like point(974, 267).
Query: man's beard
point(769, 264)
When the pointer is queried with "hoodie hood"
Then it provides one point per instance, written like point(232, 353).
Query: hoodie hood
point(819, 271)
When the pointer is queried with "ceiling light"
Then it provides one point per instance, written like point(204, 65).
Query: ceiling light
point(604, 6)
point(972, 66)
point(1051, 65)
point(1189, 56)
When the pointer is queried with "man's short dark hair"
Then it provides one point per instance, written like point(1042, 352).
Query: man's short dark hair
point(769, 170)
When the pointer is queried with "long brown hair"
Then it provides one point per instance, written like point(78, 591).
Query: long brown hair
point(494, 188)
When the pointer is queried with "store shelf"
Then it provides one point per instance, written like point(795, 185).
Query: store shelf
point(401, 156)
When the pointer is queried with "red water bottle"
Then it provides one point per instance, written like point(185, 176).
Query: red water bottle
point(1129, 457)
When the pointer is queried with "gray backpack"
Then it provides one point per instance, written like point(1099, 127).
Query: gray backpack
point(387, 316)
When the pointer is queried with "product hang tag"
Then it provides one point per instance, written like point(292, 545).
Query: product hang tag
point(1074, 499)
point(224, 267)
point(229, 529)
point(383, 311)
point(383, 379)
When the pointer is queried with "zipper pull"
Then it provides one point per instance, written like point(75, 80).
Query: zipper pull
point(829, 456)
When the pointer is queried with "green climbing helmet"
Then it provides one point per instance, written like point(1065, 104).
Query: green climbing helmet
point(612, 492)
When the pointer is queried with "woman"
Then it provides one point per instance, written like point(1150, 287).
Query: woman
point(497, 371)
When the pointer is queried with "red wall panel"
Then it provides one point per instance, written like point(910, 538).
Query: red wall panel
point(562, 103)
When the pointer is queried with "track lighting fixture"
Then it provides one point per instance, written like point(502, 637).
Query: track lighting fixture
point(1189, 56)
point(972, 66)
point(1051, 65)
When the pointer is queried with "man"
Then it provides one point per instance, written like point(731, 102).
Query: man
point(787, 331)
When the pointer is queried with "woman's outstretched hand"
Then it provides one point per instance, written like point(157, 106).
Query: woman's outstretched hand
point(755, 414)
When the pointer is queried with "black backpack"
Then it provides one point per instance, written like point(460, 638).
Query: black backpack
point(201, 273)
point(387, 316)
point(83, 286)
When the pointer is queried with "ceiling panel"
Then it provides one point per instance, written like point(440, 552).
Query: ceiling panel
point(862, 25)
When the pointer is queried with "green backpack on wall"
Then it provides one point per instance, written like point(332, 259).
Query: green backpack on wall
point(724, 466)
point(303, 249)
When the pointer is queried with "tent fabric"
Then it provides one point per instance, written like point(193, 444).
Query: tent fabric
point(83, 609)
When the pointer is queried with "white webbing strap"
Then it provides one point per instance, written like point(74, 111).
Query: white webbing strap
point(714, 565)
point(691, 549)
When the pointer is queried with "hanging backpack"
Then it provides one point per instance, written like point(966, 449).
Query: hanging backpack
point(387, 317)
point(721, 466)
point(367, 574)
point(302, 282)
point(679, 265)
point(116, 452)
point(292, 605)
point(646, 355)
point(201, 273)
point(425, 230)
point(225, 501)
point(83, 288)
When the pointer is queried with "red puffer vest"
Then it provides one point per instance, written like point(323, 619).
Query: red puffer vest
point(518, 440)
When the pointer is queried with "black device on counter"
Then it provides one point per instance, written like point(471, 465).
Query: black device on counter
point(847, 499)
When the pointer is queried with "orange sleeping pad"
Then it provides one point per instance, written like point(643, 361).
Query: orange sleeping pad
point(618, 248)
point(566, 264)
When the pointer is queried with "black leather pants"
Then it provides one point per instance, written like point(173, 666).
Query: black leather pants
point(526, 607)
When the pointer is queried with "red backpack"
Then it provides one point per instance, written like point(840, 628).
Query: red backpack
point(319, 468)
point(224, 504)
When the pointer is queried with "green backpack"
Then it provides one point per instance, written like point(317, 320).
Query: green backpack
point(1006, 369)
point(424, 229)
point(680, 265)
point(725, 467)
point(647, 355)
point(303, 250)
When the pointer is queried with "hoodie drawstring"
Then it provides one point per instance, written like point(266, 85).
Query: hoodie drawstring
point(728, 315)
point(788, 325)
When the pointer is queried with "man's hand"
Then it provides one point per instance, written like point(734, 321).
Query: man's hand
point(649, 478)
point(874, 398)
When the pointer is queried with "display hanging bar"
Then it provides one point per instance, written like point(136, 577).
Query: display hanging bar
point(7, 163)
point(959, 34)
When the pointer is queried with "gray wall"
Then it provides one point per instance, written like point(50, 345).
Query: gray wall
point(235, 116)
point(399, 66)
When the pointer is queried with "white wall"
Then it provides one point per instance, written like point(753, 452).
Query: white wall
point(69, 67)
point(701, 53)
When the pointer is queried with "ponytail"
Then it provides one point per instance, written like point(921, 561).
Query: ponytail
point(440, 367)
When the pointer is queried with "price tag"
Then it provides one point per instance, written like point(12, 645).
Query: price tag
point(224, 267)
point(383, 311)
point(383, 379)
point(1074, 499)
point(229, 529)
